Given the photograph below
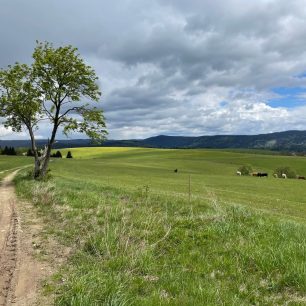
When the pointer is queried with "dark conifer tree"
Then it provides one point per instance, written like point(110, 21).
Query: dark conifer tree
point(5, 151)
point(58, 154)
point(13, 151)
point(30, 153)
point(69, 155)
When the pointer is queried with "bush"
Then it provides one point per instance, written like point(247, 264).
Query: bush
point(245, 170)
point(290, 173)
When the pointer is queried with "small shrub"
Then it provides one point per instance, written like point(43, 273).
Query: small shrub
point(245, 170)
point(290, 173)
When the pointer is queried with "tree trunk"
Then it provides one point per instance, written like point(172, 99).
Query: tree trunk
point(45, 158)
point(42, 162)
point(36, 168)
point(37, 161)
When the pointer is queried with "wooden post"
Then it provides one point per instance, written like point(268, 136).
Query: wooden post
point(189, 188)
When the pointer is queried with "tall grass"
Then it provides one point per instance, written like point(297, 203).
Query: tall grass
point(142, 247)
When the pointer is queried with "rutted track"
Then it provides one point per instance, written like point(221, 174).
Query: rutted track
point(21, 274)
point(8, 240)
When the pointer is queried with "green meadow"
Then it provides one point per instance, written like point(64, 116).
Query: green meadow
point(10, 163)
point(209, 171)
point(141, 234)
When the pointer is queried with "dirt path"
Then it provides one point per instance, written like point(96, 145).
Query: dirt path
point(20, 272)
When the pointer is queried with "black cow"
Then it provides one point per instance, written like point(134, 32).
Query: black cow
point(262, 174)
point(175, 170)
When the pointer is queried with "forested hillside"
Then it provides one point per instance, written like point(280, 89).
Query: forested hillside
point(294, 141)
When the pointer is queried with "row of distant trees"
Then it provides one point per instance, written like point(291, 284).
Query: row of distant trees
point(8, 151)
point(12, 151)
point(57, 154)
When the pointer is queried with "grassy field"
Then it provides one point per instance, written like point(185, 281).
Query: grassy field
point(8, 163)
point(210, 171)
point(137, 239)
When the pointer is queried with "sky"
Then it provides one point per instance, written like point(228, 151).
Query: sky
point(175, 67)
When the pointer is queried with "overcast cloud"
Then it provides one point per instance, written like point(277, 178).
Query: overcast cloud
point(176, 67)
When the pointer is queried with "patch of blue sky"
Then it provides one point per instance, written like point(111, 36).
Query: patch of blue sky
point(288, 97)
point(223, 103)
point(301, 76)
point(289, 90)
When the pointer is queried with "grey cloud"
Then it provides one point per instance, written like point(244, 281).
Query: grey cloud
point(166, 66)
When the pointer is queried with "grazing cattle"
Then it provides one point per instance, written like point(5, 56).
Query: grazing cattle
point(175, 170)
point(262, 174)
point(275, 175)
point(238, 173)
point(284, 175)
point(301, 177)
point(254, 174)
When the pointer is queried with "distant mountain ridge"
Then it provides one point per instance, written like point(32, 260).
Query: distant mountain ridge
point(279, 141)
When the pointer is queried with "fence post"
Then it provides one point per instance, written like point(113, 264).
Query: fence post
point(189, 188)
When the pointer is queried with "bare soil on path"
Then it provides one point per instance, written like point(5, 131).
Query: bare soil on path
point(21, 273)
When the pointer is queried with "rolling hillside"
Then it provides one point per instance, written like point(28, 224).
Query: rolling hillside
point(139, 235)
point(289, 141)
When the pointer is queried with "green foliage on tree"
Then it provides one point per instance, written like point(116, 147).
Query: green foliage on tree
point(57, 88)
point(290, 173)
point(245, 170)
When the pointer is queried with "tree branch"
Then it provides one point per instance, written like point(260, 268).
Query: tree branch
point(76, 108)
point(47, 111)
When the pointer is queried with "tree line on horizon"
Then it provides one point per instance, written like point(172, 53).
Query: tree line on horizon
point(8, 151)
point(12, 151)
point(57, 154)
